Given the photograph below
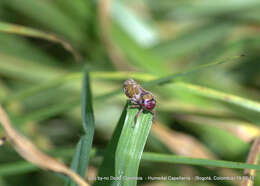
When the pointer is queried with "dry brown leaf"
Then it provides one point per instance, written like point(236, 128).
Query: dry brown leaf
point(186, 145)
point(181, 143)
point(91, 174)
point(25, 31)
point(32, 154)
point(252, 159)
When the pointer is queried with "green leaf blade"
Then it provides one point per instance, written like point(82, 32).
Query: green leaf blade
point(81, 157)
point(131, 145)
point(30, 32)
point(168, 158)
point(107, 167)
point(87, 108)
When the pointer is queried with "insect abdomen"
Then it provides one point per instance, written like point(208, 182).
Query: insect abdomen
point(132, 89)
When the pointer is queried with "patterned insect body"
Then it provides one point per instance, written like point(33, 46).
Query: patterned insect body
point(139, 97)
point(148, 101)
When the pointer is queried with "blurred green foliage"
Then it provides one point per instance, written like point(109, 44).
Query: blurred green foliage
point(41, 75)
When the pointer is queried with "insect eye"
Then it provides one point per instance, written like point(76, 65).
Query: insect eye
point(149, 104)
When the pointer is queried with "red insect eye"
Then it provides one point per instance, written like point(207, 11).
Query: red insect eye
point(149, 104)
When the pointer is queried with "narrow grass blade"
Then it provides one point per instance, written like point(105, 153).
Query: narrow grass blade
point(153, 80)
point(80, 160)
point(166, 158)
point(87, 109)
point(20, 167)
point(26, 31)
point(25, 148)
point(23, 167)
point(107, 168)
point(174, 77)
point(225, 97)
point(252, 158)
point(131, 145)
point(170, 78)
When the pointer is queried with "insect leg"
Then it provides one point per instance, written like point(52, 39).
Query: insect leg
point(154, 115)
point(135, 106)
point(137, 115)
point(133, 101)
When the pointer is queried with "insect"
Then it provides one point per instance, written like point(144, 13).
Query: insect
point(139, 97)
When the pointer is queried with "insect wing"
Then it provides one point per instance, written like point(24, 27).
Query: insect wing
point(133, 90)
